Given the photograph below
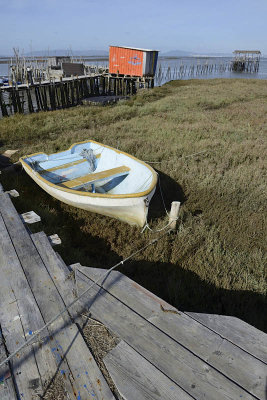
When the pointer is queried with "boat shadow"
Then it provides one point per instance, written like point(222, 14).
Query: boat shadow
point(4, 161)
point(167, 191)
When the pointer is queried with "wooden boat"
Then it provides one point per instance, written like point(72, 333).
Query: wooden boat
point(97, 178)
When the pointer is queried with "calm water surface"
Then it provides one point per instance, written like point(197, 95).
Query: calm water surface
point(175, 65)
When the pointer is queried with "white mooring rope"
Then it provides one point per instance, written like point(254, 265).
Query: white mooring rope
point(37, 333)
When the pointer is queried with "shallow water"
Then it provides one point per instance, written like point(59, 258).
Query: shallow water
point(185, 63)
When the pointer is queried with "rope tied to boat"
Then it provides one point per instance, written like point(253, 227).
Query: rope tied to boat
point(37, 333)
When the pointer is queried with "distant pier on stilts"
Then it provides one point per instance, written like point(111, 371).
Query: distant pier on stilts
point(246, 61)
point(61, 83)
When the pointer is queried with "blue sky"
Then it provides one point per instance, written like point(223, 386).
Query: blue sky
point(191, 25)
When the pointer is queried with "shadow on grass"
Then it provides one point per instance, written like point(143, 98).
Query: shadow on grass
point(169, 190)
point(4, 161)
point(186, 291)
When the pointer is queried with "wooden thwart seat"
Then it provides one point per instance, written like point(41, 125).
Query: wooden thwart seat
point(91, 178)
point(68, 165)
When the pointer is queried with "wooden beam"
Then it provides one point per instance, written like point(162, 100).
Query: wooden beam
point(136, 378)
point(12, 193)
point(19, 316)
point(94, 177)
point(7, 388)
point(236, 331)
point(30, 217)
point(54, 239)
point(65, 286)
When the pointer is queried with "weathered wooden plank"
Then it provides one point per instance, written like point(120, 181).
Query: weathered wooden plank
point(7, 389)
point(19, 309)
point(188, 371)
point(30, 217)
point(19, 315)
point(54, 239)
point(236, 331)
point(13, 193)
point(209, 346)
point(140, 299)
point(230, 360)
point(9, 153)
point(136, 378)
point(60, 272)
point(94, 177)
point(69, 340)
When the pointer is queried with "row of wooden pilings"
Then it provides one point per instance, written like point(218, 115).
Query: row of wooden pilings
point(68, 92)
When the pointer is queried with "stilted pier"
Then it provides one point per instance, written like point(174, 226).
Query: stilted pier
point(162, 353)
point(66, 92)
point(246, 61)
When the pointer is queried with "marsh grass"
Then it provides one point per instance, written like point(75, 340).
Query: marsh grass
point(217, 261)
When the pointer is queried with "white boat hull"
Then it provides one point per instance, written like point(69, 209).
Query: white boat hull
point(111, 183)
point(131, 210)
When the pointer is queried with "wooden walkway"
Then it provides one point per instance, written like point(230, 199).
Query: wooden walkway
point(163, 353)
point(29, 298)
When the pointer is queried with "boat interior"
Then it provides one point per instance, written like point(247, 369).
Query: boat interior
point(93, 168)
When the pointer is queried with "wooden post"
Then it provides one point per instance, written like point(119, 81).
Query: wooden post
point(174, 215)
point(66, 91)
point(14, 102)
point(19, 105)
point(53, 92)
point(37, 98)
point(72, 93)
point(58, 104)
point(86, 87)
point(30, 105)
point(97, 86)
point(40, 97)
point(3, 106)
point(44, 97)
point(62, 95)
point(77, 90)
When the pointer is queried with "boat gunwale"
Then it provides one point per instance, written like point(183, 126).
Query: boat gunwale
point(89, 194)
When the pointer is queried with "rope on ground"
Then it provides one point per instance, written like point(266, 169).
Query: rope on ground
point(37, 333)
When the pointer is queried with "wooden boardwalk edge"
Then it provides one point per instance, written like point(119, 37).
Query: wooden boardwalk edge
point(7, 388)
point(223, 355)
point(136, 378)
point(193, 375)
point(20, 315)
point(60, 272)
point(67, 341)
point(236, 331)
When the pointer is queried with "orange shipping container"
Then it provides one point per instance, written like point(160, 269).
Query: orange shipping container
point(131, 61)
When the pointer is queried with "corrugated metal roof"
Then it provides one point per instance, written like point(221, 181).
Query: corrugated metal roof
point(132, 48)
